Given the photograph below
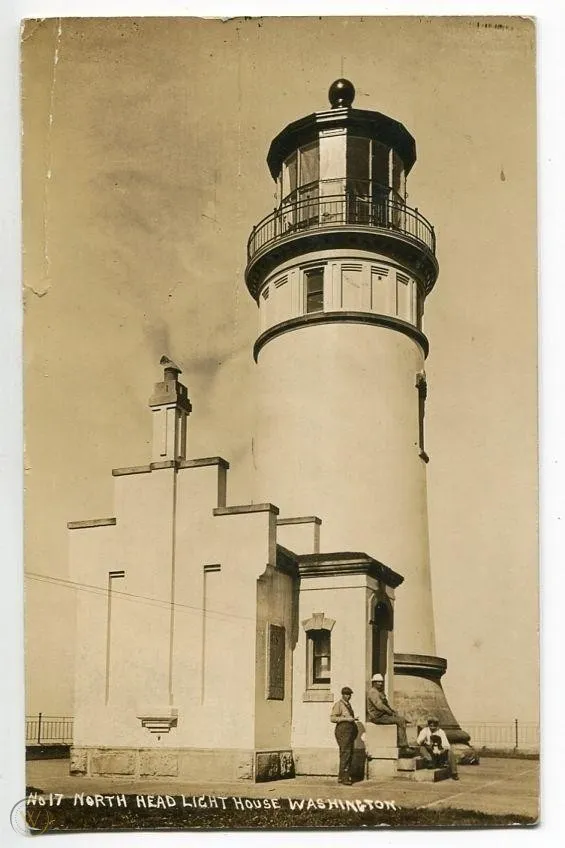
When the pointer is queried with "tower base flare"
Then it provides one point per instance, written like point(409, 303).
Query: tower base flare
point(418, 694)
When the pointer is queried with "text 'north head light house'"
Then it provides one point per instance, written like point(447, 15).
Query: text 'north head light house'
point(341, 270)
point(213, 638)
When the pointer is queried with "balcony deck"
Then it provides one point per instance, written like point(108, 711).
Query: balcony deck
point(382, 220)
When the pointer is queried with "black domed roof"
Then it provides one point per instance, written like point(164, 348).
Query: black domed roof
point(359, 121)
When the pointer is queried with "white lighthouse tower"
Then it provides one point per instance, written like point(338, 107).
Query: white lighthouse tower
point(341, 271)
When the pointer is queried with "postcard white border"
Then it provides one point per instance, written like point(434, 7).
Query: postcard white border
point(551, 85)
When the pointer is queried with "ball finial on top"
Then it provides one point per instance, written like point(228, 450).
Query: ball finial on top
point(341, 93)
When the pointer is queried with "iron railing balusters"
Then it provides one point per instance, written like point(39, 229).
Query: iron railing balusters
point(295, 216)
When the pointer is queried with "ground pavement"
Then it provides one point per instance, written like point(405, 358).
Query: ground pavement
point(497, 785)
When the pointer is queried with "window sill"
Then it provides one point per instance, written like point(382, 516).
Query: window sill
point(318, 695)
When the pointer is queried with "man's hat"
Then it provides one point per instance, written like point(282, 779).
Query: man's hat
point(377, 677)
point(346, 691)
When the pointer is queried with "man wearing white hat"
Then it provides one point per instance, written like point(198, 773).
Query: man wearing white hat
point(379, 711)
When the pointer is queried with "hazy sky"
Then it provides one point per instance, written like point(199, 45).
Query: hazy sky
point(144, 153)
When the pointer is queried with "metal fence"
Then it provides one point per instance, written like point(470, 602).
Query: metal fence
point(48, 730)
point(504, 735)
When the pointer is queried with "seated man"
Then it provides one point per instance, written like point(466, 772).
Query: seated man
point(379, 711)
point(435, 747)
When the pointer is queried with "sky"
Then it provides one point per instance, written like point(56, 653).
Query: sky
point(144, 171)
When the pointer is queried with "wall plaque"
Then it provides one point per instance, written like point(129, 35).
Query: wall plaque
point(275, 662)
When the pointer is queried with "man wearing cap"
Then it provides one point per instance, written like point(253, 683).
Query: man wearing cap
point(435, 747)
point(379, 711)
point(343, 717)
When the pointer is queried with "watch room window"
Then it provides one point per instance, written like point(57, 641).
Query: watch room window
point(314, 290)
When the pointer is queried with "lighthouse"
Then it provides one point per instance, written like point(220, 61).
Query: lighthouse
point(322, 579)
point(341, 271)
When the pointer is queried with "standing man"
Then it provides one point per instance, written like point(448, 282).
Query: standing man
point(435, 747)
point(345, 733)
point(379, 711)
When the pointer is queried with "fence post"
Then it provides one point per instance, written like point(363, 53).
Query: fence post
point(39, 728)
point(515, 734)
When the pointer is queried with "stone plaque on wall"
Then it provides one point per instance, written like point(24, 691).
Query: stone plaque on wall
point(275, 662)
point(273, 765)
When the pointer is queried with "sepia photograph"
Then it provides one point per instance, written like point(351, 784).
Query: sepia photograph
point(280, 367)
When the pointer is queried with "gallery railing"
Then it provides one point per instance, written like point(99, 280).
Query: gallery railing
point(335, 210)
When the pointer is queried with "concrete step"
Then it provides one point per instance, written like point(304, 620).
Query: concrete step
point(410, 763)
point(425, 775)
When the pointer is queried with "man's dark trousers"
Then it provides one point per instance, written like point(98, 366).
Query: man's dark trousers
point(345, 734)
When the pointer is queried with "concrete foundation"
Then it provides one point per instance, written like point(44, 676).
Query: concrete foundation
point(202, 764)
point(325, 761)
point(187, 764)
point(418, 694)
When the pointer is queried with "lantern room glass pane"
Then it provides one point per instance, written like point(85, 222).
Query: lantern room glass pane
point(308, 204)
point(397, 176)
point(358, 161)
point(358, 180)
point(290, 175)
point(309, 164)
point(379, 167)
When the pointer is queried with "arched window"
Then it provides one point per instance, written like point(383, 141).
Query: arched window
point(381, 622)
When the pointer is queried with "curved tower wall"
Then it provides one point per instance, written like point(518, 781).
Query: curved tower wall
point(337, 437)
point(353, 280)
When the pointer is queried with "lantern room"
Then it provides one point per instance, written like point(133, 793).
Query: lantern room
point(365, 157)
point(341, 183)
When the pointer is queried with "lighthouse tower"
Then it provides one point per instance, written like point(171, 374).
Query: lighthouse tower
point(340, 271)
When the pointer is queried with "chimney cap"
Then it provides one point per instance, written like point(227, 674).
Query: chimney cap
point(171, 368)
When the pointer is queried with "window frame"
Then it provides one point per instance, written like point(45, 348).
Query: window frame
point(314, 639)
point(422, 388)
point(310, 272)
point(314, 627)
